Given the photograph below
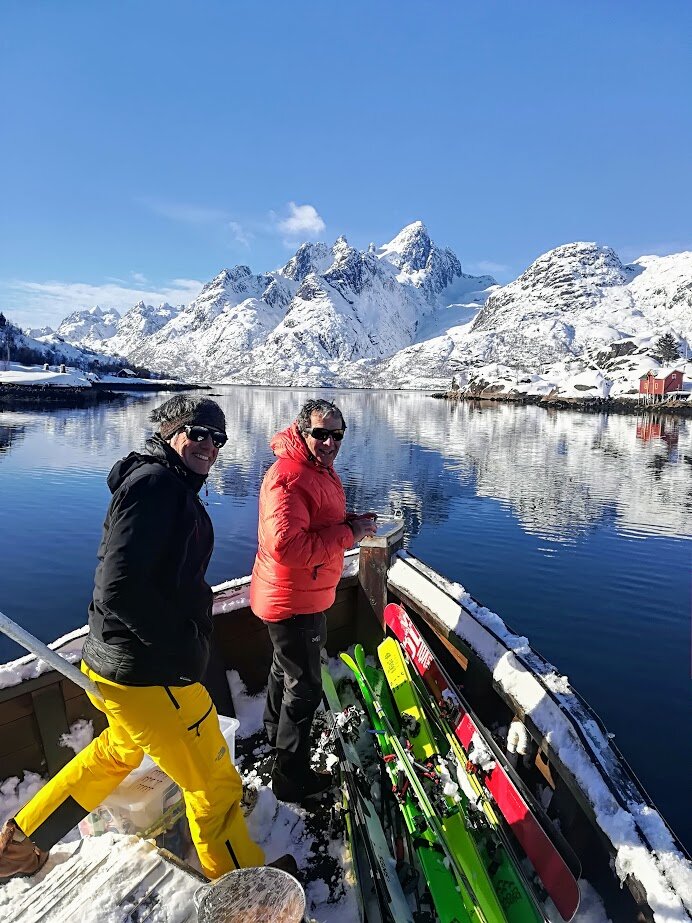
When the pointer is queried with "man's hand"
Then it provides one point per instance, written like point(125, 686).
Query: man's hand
point(363, 525)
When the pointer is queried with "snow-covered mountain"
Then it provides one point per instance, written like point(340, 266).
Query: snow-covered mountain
point(36, 332)
point(325, 309)
point(139, 323)
point(437, 272)
point(89, 327)
point(52, 348)
point(401, 315)
point(572, 303)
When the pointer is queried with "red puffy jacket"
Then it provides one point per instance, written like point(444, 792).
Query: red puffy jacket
point(302, 533)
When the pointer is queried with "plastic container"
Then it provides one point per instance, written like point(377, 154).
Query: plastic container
point(147, 802)
point(229, 728)
point(260, 895)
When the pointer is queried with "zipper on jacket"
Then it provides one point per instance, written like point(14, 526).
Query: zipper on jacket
point(314, 571)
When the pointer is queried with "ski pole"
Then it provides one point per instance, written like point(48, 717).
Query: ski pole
point(43, 652)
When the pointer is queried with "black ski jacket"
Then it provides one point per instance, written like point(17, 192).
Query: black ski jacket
point(150, 616)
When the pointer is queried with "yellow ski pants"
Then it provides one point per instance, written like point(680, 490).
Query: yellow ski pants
point(178, 727)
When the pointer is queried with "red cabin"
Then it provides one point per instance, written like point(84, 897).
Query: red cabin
point(659, 382)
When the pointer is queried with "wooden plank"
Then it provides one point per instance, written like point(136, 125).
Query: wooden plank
point(18, 707)
point(340, 640)
point(19, 734)
point(28, 759)
point(29, 685)
point(71, 690)
point(80, 707)
point(51, 718)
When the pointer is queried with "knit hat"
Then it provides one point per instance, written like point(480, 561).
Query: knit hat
point(182, 410)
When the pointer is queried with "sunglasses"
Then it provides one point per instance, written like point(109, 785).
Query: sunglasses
point(321, 434)
point(200, 433)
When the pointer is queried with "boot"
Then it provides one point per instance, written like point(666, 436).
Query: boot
point(303, 788)
point(286, 863)
point(317, 783)
point(18, 855)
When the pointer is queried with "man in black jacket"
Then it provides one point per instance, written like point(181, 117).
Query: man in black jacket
point(148, 646)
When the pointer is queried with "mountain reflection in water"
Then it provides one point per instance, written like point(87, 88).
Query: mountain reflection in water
point(575, 527)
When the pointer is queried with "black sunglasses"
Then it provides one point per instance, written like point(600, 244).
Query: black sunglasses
point(321, 434)
point(200, 433)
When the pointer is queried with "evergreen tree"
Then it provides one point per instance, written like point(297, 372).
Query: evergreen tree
point(5, 340)
point(666, 348)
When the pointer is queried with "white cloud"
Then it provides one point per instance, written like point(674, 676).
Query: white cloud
point(240, 234)
point(302, 220)
point(35, 304)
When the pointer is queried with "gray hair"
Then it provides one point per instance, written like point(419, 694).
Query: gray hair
point(183, 410)
point(319, 406)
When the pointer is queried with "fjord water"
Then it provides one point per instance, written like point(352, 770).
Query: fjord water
point(576, 528)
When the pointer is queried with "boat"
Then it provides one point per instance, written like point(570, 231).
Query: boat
point(560, 756)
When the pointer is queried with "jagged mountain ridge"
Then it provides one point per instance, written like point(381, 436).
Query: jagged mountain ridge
point(90, 327)
point(572, 302)
point(339, 316)
point(326, 307)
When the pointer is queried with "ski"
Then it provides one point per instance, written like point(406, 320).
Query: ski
point(373, 862)
point(452, 892)
point(498, 883)
point(556, 865)
point(508, 872)
point(441, 883)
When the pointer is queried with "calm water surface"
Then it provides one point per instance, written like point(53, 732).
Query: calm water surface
point(576, 528)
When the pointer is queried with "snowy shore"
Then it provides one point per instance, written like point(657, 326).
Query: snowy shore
point(36, 386)
point(585, 404)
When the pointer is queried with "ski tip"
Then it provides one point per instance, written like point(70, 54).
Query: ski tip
point(393, 612)
point(348, 660)
point(359, 653)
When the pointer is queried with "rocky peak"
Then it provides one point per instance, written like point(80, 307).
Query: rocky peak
point(350, 269)
point(308, 258)
point(421, 263)
point(570, 277)
point(89, 325)
point(576, 263)
point(228, 278)
point(410, 250)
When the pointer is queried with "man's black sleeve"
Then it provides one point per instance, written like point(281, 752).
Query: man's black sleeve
point(137, 577)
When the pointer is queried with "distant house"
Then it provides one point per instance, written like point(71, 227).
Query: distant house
point(126, 373)
point(660, 382)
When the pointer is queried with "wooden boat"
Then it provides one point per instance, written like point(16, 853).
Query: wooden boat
point(577, 780)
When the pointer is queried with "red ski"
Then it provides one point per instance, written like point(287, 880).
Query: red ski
point(557, 866)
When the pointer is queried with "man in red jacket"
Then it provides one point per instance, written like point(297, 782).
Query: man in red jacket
point(303, 532)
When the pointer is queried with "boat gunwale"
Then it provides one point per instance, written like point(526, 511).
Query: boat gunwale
point(575, 787)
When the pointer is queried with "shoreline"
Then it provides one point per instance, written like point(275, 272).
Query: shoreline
point(152, 385)
point(580, 404)
point(38, 397)
point(15, 396)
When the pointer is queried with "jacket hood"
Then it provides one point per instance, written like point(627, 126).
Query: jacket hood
point(158, 452)
point(290, 444)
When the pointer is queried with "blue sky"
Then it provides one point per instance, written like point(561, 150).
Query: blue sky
point(147, 145)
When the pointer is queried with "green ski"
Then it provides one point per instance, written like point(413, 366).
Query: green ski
point(497, 883)
point(451, 894)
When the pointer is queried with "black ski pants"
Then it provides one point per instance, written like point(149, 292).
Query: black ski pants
point(295, 689)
